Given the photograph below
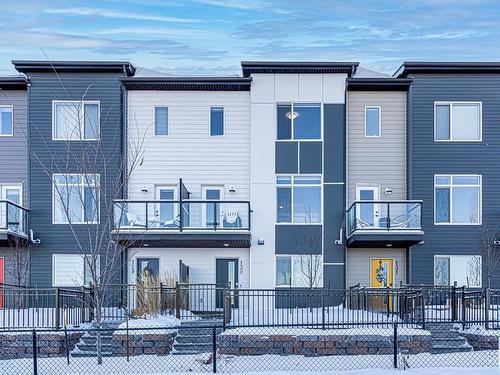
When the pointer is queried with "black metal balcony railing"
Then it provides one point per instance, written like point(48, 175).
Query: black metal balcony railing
point(182, 215)
point(384, 216)
point(13, 217)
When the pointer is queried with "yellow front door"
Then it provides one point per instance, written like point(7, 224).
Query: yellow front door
point(381, 276)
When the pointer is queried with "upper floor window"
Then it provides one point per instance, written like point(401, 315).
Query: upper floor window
point(75, 120)
point(298, 121)
point(457, 199)
point(76, 198)
point(457, 121)
point(216, 121)
point(161, 120)
point(298, 199)
point(372, 121)
point(6, 121)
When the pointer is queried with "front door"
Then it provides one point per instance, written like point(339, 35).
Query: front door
point(148, 267)
point(226, 273)
point(368, 213)
point(381, 276)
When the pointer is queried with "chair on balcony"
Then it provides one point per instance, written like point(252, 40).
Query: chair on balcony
point(231, 219)
point(401, 221)
point(174, 223)
point(362, 224)
point(133, 220)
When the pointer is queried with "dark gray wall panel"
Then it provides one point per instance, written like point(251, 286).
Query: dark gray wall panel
point(334, 142)
point(333, 198)
point(311, 157)
point(334, 276)
point(287, 160)
point(298, 239)
point(429, 158)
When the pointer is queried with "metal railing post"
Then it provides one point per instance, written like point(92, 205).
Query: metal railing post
point(35, 355)
point(388, 224)
point(454, 302)
point(147, 216)
point(177, 301)
point(487, 308)
point(422, 297)
point(463, 307)
point(214, 350)
point(57, 312)
point(323, 309)
point(395, 339)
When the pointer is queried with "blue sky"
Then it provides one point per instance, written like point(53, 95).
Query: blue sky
point(212, 36)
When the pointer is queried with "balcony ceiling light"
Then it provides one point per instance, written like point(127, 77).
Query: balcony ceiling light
point(226, 244)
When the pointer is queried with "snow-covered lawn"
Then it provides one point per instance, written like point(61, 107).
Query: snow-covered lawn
point(149, 323)
point(371, 331)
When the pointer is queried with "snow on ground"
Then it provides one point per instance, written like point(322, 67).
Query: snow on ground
point(425, 363)
point(150, 322)
point(371, 331)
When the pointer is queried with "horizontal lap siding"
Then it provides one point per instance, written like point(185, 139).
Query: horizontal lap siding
point(429, 158)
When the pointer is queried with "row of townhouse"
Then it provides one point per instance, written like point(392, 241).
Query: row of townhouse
point(295, 174)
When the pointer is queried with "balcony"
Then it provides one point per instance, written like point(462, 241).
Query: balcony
point(13, 224)
point(384, 223)
point(183, 223)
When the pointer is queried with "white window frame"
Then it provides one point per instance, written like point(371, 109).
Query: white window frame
point(450, 258)
point(81, 115)
point(450, 186)
point(210, 121)
point(292, 257)
point(292, 104)
point(175, 211)
point(291, 185)
point(83, 276)
point(168, 121)
point(82, 185)
point(203, 215)
point(12, 112)
point(379, 121)
point(451, 103)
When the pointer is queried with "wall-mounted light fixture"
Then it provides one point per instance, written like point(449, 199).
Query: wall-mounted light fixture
point(260, 241)
point(144, 189)
point(292, 115)
point(388, 191)
point(231, 189)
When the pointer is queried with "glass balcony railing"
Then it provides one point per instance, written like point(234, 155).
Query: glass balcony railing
point(384, 216)
point(13, 217)
point(182, 215)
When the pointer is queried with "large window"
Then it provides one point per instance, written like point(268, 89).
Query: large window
point(161, 120)
point(72, 270)
point(75, 120)
point(299, 121)
point(463, 269)
point(457, 121)
point(298, 199)
point(6, 121)
point(457, 199)
point(299, 270)
point(372, 121)
point(75, 198)
point(216, 121)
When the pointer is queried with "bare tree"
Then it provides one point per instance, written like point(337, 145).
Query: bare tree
point(489, 253)
point(17, 261)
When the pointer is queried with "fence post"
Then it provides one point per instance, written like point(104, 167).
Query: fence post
point(177, 301)
point(388, 301)
point(463, 307)
point(487, 308)
point(423, 309)
point(82, 305)
point(323, 308)
point(35, 355)
point(454, 302)
point(161, 298)
point(214, 350)
point(91, 303)
point(57, 312)
point(395, 339)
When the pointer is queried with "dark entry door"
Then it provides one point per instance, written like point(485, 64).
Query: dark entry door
point(151, 266)
point(226, 274)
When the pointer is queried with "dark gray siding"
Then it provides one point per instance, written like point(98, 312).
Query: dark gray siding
point(287, 157)
point(311, 154)
point(298, 239)
point(53, 154)
point(428, 158)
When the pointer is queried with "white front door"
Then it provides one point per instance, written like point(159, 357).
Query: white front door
point(212, 212)
point(166, 214)
point(14, 217)
point(367, 213)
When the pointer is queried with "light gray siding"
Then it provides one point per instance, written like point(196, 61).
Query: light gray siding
point(378, 160)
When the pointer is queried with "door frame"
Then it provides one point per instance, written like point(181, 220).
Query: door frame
point(203, 210)
point(393, 270)
point(376, 197)
point(234, 298)
point(4, 188)
point(157, 197)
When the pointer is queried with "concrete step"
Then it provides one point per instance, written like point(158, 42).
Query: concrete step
point(193, 339)
point(196, 348)
point(197, 331)
point(449, 341)
point(201, 322)
point(91, 354)
point(442, 349)
point(93, 348)
point(91, 340)
point(445, 334)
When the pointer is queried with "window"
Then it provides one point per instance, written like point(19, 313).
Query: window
point(216, 121)
point(75, 198)
point(161, 120)
point(299, 270)
point(6, 121)
point(457, 121)
point(372, 121)
point(75, 120)
point(464, 269)
point(72, 270)
point(457, 199)
point(298, 199)
point(298, 121)
point(212, 211)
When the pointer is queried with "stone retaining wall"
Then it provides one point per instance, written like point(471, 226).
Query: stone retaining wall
point(481, 342)
point(312, 345)
point(13, 346)
point(139, 344)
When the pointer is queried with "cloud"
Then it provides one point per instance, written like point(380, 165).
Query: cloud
point(108, 13)
point(237, 4)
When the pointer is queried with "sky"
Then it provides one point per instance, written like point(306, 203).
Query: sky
point(211, 37)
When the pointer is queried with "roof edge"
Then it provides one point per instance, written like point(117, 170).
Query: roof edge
point(26, 66)
point(13, 83)
point(188, 83)
point(446, 67)
point(379, 84)
point(294, 67)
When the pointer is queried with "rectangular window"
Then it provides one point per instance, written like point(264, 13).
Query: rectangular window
point(463, 269)
point(216, 121)
point(6, 121)
point(299, 271)
point(298, 199)
point(457, 121)
point(372, 121)
point(161, 120)
point(457, 199)
point(298, 121)
point(73, 270)
point(75, 120)
point(75, 199)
